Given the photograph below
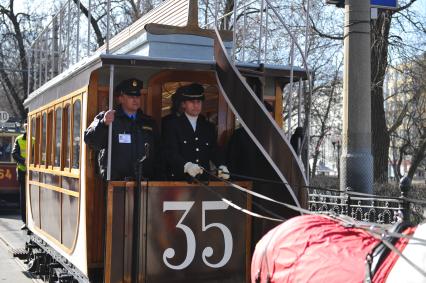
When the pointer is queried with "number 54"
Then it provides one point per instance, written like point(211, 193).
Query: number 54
point(190, 237)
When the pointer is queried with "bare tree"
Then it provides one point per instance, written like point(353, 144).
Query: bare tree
point(13, 56)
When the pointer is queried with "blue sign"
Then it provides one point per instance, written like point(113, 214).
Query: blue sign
point(385, 4)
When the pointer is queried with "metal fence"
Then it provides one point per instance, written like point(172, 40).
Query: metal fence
point(366, 207)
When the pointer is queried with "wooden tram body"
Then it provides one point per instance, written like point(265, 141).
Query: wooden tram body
point(9, 185)
point(84, 223)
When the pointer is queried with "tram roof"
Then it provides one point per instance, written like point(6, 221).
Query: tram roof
point(79, 75)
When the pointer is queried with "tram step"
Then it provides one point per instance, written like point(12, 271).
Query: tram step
point(20, 253)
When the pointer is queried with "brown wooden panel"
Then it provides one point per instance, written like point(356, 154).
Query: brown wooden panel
point(162, 233)
point(35, 204)
point(118, 236)
point(50, 213)
point(95, 188)
point(69, 219)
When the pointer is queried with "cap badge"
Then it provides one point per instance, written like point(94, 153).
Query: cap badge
point(135, 83)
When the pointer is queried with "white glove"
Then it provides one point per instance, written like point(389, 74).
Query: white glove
point(192, 169)
point(223, 172)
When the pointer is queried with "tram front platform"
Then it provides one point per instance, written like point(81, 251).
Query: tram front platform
point(12, 238)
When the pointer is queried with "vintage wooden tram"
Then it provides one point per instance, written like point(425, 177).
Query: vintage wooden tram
point(9, 185)
point(81, 227)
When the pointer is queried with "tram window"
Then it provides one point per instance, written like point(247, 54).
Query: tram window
point(43, 138)
point(58, 138)
point(6, 149)
point(49, 150)
point(33, 135)
point(76, 134)
point(37, 142)
point(67, 135)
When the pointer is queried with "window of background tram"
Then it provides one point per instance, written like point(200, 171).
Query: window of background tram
point(6, 149)
point(58, 137)
point(76, 134)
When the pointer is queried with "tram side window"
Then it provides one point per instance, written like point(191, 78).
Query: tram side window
point(67, 136)
point(76, 134)
point(33, 136)
point(58, 138)
point(5, 149)
point(37, 142)
point(43, 138)
point(49, 139)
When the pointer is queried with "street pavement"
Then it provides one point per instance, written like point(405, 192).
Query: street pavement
point(12, 269)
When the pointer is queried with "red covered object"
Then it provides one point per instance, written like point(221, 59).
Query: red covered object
point(312, 248)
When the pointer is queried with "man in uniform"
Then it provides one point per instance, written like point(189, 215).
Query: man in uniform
point(190, 140)
point(133, 135)
point(19, 154)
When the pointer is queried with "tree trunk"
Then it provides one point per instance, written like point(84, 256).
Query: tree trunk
point(418, 157)
point(380, 134)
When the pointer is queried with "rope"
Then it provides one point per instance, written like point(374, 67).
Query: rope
point(237, 207)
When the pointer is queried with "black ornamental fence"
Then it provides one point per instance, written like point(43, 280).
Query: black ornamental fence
point(368, 207)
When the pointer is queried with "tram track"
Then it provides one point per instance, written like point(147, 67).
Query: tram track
point(12, 238)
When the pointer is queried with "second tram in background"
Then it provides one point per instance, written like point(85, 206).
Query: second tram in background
point(9, 185)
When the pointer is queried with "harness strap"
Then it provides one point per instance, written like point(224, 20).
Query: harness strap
point(379, 253)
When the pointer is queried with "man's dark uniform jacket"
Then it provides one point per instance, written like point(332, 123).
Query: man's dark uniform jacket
point(183, 145)
point(124, 155)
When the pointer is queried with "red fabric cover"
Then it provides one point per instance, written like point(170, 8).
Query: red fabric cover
point(312, 248)
point(382, 273)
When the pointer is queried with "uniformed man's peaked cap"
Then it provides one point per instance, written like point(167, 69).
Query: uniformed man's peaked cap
point(191, 92)
point(131, 87)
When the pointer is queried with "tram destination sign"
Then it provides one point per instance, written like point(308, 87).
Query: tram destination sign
point(4, 117)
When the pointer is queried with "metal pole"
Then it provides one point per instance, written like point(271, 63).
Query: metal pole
point(266, 34)
point(356, 158)
point(234, 32)
point(110, 107)
point(68, 33)
point(46, 54)
point(307, 25)
point(108, 31)
point(77, 53)
point(30, 52)
point(299, 104)
point(61, 21)
point(262, 5)
point(244, 33)
point(89, 19)
point(40, 65)
point(216, 11)
point(290, 91)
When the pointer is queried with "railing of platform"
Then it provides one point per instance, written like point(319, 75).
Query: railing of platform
point(367, 207)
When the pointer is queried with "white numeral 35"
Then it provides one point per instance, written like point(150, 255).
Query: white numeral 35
point(190, 238)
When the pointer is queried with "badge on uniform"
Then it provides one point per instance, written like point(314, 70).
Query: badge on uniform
point(124, 138)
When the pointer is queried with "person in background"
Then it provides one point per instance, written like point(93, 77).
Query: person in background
point(19, 154)
point(190, 140)
point(133, 135)
point(246, 162)
point(176, 109)
point(296, 140)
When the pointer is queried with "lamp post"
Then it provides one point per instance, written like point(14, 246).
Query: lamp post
point(336, 146)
